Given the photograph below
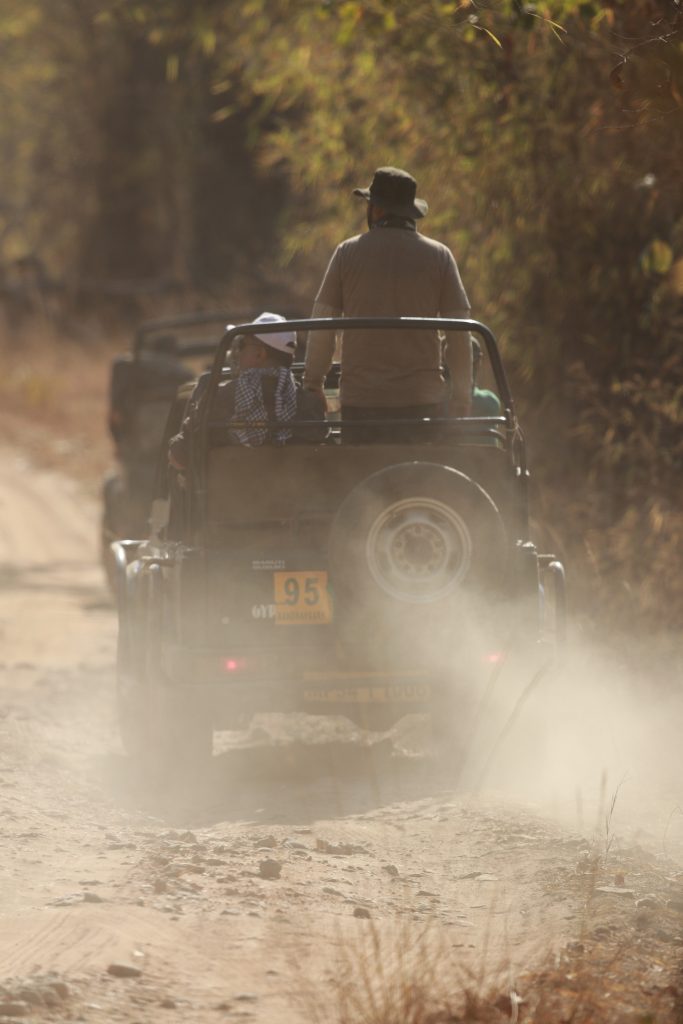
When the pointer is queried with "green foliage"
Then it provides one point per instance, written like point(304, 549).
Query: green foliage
point(157, 137)
point(627, 518)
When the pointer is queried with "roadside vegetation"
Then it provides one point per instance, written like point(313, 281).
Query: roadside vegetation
point(163, 154)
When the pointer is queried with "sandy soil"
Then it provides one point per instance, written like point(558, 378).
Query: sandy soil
point(383, 855)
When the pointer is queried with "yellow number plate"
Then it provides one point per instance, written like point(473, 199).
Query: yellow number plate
point(301, 599)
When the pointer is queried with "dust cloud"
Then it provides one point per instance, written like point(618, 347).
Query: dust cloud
point(595, 742)
point(369, 831)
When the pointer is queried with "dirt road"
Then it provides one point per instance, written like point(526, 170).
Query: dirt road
point(371, 849)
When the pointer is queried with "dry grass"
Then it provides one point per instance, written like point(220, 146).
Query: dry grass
point(415, 980)
point(620, 961)
point(400, 976)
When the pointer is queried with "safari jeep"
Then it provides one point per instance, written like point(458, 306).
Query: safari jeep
point(143, 384)
point(369, 573)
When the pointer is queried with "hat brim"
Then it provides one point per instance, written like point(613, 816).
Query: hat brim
point(415, 211)
point(271, 341)
point(276, 342)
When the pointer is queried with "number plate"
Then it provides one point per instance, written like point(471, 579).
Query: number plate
point(301, 599)
point(393, 694)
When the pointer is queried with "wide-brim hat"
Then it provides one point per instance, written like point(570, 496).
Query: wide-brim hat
point(282, 341)
point(394, 191)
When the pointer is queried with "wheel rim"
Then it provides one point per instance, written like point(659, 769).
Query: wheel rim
point(418, 550)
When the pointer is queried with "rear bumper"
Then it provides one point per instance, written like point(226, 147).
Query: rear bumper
point(320, 682)
point(252, 682)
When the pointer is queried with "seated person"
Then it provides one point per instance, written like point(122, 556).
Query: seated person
point(263, 393)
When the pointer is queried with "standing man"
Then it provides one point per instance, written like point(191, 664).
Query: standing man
point(391, 270)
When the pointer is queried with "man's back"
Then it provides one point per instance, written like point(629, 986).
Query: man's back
point(391, 272)
point(395, 269)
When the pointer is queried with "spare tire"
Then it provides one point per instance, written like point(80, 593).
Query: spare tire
point(417, 533)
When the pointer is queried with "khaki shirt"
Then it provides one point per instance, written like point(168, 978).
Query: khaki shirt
point(391, 271)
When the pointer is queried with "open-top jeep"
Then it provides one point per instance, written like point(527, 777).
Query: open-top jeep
point(143, 383)
point(382, 570)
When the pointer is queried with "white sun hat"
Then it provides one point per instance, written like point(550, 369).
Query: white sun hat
point(283, 341)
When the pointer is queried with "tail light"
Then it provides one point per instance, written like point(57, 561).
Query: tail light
point(493, 657)
point(234, 664)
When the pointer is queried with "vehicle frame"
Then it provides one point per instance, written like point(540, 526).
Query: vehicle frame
point(128, 490)
point(189, 663)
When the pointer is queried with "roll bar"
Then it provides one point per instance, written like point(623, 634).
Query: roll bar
point(340, 324)
point(364, 322)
